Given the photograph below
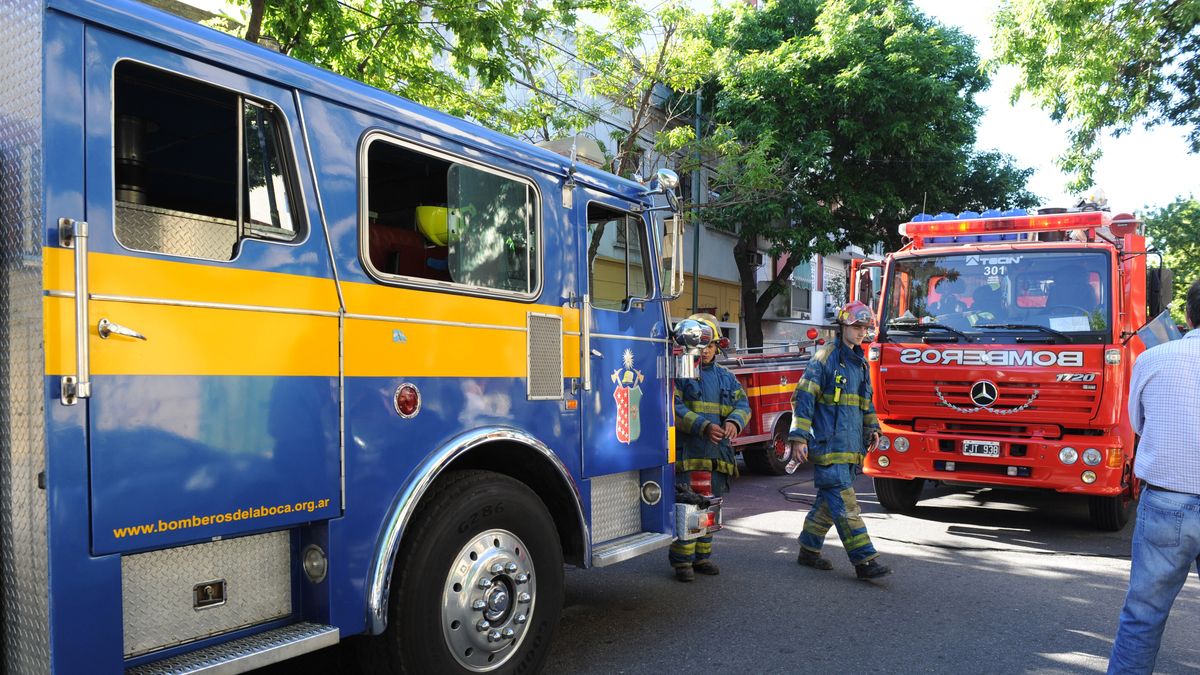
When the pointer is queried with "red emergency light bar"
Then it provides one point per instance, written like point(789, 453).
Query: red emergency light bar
point(1056, 221)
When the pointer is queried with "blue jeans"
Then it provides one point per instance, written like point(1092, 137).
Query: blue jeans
point(1166, 543)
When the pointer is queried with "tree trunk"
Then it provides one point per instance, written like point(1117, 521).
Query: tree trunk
point(754, 306)
point(254, 26)
point(751, 317)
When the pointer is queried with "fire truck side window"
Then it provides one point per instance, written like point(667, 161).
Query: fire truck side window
point(617, 266)
point(433, 218)
point(177, 168)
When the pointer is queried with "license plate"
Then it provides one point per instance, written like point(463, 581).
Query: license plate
point(981, 448)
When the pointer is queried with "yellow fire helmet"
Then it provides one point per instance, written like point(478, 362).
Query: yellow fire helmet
point(711, 321)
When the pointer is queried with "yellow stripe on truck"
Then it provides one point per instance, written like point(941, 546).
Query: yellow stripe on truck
point(126, 275)
point(771, 389)
point(193, 341)
point(413, 333)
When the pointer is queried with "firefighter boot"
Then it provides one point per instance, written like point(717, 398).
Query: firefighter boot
point(706, 567)
point(684, 574)
point(871, 570)
point(813, 560)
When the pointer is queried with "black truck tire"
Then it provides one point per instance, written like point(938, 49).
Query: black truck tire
point(1111, 514)
point(771, 458)
point(482, 546)
point(898, 494)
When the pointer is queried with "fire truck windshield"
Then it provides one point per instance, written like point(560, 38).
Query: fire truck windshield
point(1050, 296)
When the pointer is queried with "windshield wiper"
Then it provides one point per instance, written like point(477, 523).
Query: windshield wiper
point(1027, 326)
point(922, 327)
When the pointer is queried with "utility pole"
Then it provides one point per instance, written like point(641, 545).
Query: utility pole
point(695, 205)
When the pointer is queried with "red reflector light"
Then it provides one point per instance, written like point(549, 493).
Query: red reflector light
point(821, 341)
point(723, 343)
point(812, 334)
point(408, 400)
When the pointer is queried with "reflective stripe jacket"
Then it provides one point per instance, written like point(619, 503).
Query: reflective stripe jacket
point(832, 408)
point(715, 397)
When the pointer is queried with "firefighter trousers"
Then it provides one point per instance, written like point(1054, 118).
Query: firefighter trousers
point(690, 552)
point(836, 505)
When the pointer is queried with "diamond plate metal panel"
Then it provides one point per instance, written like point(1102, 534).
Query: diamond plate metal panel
point(616, 506)
point(250, 652)
point(149, 228)
point(24, 610)
point(156, 589)
point(545, 357)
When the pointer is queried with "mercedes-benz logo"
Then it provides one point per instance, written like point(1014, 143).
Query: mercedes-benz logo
point(984, 393)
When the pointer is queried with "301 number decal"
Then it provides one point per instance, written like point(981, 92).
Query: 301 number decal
point(1075, 377)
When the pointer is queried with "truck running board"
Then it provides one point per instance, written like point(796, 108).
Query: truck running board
point(625, 548)
point(247, 653)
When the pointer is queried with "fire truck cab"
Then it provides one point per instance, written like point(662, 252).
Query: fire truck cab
point(1003, 355)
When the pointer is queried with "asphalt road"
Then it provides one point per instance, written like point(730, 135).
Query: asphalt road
point(984, 582)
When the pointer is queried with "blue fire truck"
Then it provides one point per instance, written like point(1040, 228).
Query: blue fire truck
point(286, 359)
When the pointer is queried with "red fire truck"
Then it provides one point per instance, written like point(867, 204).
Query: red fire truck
point(769, 379)
point(1005, 346)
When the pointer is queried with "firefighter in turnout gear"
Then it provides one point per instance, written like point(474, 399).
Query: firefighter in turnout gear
point(709, 413)
point(834, 424)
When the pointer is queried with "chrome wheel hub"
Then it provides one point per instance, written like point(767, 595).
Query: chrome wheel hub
point(488, 599)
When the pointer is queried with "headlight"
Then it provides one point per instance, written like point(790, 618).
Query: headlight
point(1068, 455)
point(884, 443)
point(884, 461)
point(1092, 457)
point(1089, 477)
point(901, 444)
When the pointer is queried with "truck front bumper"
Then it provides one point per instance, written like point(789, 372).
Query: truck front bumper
point(1017, 462)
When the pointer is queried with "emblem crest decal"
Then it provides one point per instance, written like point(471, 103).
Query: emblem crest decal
point(628, 395)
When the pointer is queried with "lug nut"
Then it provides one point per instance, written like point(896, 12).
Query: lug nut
point(485, 583)
point(482, 625)
point(524, 597)
point(520, 618)
point(522, 578)
point(508, 633)
point(496, 568)
point(494, 636)
point(479, 604)
point(510, 567)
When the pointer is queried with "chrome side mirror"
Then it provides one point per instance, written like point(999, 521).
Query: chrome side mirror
point(693, 336)
point(664, 183)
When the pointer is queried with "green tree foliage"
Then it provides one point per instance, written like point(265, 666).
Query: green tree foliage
point(1175, 230)
point(452, 55)
point(1102, 65)
point(838, 120)
point(641, 60)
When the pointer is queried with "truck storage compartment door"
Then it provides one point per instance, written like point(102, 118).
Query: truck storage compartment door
point(213, 314)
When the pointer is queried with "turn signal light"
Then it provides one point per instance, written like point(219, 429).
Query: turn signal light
point(1115, 458)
